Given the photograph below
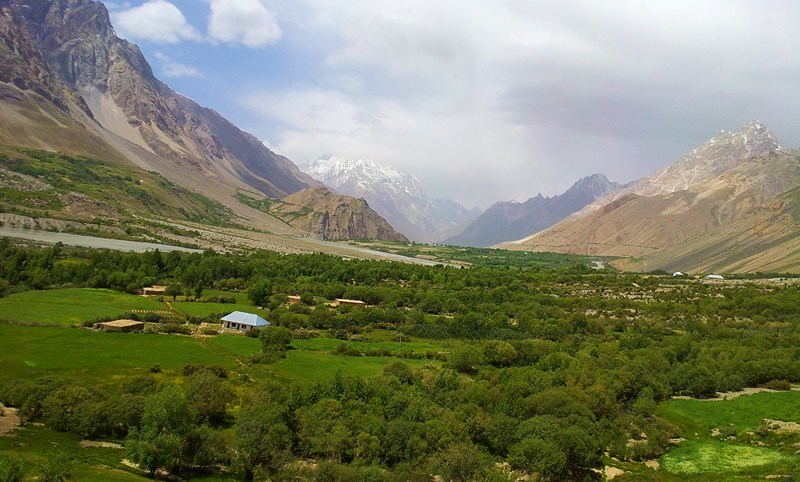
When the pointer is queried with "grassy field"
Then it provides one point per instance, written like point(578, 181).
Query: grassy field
point(310, 366)
point(705, 457)
point(34, 446)
point(71, 306)
point(204, 309)
point(330, 344)
point(100, 357)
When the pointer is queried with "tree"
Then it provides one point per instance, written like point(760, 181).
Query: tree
point(259, 292)
point(209, 396)
point(275, 338)
point(174, 290)
point(167, 418)
point(261, 438)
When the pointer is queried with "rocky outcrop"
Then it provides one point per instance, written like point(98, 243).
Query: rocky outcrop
point(332, 216)
point(506, 221)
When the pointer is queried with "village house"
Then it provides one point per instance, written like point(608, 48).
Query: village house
point(154, 290)
point(293, 299)
point(241, 321)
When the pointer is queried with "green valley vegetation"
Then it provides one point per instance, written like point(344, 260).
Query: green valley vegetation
point(109, 196)
point(487, 373)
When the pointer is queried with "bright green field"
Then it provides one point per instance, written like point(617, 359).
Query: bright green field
point(720, 457)
point(746, 412)
point(330, 344)
point(102, 357)
point(317, 366)
point(204, 309)
point(703, 457)
point(71, 306)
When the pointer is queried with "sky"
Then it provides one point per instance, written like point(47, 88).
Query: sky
point(484, 101)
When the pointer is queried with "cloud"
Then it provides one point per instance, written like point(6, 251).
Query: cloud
point(156, 20)
point(243, 21)
point(533, 95)
point(170, 68)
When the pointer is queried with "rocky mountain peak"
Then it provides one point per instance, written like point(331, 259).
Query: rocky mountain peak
point(596, 185)
point(396, 194)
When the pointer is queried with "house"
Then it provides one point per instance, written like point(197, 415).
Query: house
point(293, 299)
point(119, 325)
point(154, 290)
point(677, 274)
point(715, 277)
point(343, 301)
point(241, 321)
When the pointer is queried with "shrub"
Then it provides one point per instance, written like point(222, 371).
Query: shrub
point(782, 385)
point(209, 330)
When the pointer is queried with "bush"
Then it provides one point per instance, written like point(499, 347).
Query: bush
point(304, 334)
point(347, 350)
point(175, 328)
point(209, 330)
point(781, 385)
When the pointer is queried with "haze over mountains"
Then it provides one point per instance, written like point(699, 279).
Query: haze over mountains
point(68, 83)
point(505, 221)
point(396, 194)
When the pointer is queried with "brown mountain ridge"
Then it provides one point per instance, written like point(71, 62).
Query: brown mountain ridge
point(728, 208)
point(69, 84)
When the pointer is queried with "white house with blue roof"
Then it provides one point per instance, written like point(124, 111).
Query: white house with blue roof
point(241, 321)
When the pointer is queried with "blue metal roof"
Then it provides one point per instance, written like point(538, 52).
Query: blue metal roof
point(245, 319)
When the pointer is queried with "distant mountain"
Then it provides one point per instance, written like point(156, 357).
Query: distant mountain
point(69, 84)
point(396, 194)
point(505, 221)
point(334, 217)
point(717, 156)
point(695, 213)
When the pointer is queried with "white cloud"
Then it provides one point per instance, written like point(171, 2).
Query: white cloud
point(243, 21)
point(170, 68)
point(156, 20)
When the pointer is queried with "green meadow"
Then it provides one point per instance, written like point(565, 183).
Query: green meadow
point(308, 366)
point(71, 306)
point(750, 450)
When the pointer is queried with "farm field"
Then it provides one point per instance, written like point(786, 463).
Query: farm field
point(71, 306)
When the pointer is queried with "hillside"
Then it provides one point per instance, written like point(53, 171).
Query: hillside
point(397, 195)
point(69, 84)
point(736, 220)
point(505, 221)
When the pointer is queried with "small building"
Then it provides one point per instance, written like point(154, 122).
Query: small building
point(241, 321)
point(119, 325)
point(677, 274)
point(717, 277)
point(154, 290)
point(344, 301)
point(293, 299)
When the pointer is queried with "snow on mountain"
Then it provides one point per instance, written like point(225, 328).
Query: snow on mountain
point(397, 195)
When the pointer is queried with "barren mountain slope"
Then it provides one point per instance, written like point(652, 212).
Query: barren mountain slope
point(766, 239)
point(635, 225)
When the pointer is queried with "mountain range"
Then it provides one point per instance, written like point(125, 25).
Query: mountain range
point(505, 221)
point(396, 194)
point(729, 205)
point(69, 84)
